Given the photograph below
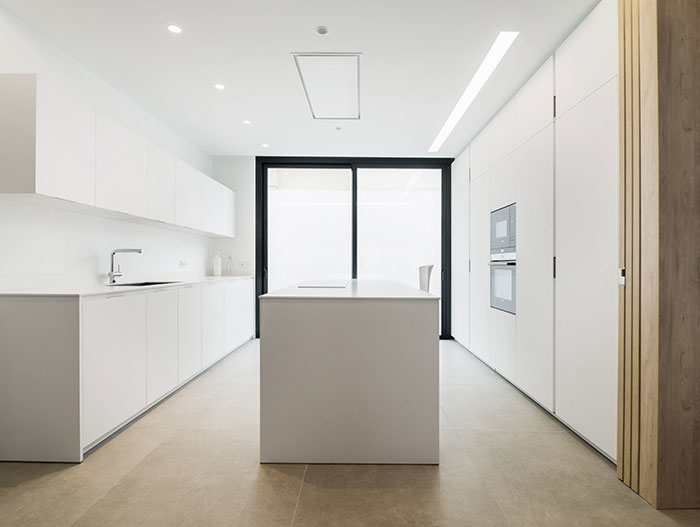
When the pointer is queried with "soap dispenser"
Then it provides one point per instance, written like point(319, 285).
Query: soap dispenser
point(217, 264)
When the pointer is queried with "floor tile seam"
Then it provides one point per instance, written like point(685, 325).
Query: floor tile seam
point(128, 472)
point(301, 487)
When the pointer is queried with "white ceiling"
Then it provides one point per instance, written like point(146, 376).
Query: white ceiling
point(417, 58)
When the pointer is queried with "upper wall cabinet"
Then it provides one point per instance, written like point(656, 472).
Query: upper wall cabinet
point(47, 141)
point(535, 103)
point(121, 165)
point(52, 145)
point(161, 184)
point(189, 183)
point(588, 58)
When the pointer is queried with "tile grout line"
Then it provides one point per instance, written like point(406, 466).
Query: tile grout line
point(296, 506)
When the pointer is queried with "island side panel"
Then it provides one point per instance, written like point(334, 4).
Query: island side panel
point(349, 381)
point(40, 378)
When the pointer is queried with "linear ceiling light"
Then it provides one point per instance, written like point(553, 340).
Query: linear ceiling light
point(498, 50)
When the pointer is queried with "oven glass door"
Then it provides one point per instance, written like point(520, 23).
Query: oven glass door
point(503, 287)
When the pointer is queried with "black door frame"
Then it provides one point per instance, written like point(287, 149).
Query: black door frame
point(262, 164)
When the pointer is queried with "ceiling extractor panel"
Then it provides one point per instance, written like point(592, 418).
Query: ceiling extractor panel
point(331, 83)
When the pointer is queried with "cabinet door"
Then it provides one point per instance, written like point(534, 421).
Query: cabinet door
point(211, 205)
point(189, 332)
point(65, 145)
point(213, 322)
point(188, 196)
point(240, 312)
point(121, 166)
point(587, 259)
point(114, 362)
point(479, 278)
point(460, 266)
point(161, 343)
point(228, 213)
point(161, 184)
point(535, 280)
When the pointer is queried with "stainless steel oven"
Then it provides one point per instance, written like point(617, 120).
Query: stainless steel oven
point(503, 258)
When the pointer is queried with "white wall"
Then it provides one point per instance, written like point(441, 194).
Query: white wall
point(22, 50)
point(238, 173)
point(563, 175)
point(44, 246)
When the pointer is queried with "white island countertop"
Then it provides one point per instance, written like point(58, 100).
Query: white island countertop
point(356, 289)
point(105, 289)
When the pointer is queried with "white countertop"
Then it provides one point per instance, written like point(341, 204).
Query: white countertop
point(104, 289)
point(356, 289)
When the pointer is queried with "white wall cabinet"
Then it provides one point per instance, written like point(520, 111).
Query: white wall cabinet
point(162, 343)
point(121, 166)
point(53, 145)
point(535, 279)
point(114, 363)
point(188, 196)
point(213, 322)
point(228, 212)
point(47, 141)
point(212, 204)
point(480, 278)
point(161, 184)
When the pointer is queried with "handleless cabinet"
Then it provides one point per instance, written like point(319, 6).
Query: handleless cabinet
point(189, 331)
point(240, 312)
point(211, 205)
point(213, 322)
point(121, 165)
point(162, 332)
point(188, 196)
point(161, 184)
point(114, 362)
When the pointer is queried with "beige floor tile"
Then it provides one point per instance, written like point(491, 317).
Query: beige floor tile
point(193, 460)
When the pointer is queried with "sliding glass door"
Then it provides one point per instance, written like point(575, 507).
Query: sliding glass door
point(309, 225)
point(398, 224)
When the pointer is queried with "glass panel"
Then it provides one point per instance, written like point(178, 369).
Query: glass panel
point(503, 284)
point(502, 229)
point(399, 224)
point(309, 216)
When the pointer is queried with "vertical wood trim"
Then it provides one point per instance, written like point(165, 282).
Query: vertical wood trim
point(627, 105)
point(636, 243)
point(648, 453)
point(621, 257)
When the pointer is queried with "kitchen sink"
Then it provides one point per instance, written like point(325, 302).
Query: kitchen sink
point(141, 284)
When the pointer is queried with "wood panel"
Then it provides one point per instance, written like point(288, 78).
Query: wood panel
point(660, 175)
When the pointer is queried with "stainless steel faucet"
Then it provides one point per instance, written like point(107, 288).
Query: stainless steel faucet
point(113, 275)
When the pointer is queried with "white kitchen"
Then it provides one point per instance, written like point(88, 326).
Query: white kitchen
point(395, 263)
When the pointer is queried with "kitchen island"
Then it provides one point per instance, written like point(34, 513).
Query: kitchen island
point(349, 374)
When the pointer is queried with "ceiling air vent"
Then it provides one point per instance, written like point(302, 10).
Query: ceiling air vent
point(331, 83)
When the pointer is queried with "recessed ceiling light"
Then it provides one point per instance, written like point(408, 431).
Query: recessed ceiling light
point(174, 29)
point(322, 30)
point(219, 86)
point(338, 127)
point(498, 50)
point(246, 121)
point(265, 145)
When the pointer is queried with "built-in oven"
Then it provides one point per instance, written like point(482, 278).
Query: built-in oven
point(503, 258)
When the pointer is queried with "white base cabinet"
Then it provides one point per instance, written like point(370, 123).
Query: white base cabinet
point(114, 362)
point(213, 323)
point(189, 331)
point(76, 367)
point(162, 343)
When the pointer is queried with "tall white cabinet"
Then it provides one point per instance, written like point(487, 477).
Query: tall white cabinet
point(460, 249)
point(562, 172)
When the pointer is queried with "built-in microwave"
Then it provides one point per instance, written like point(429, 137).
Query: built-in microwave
point(503, 258)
